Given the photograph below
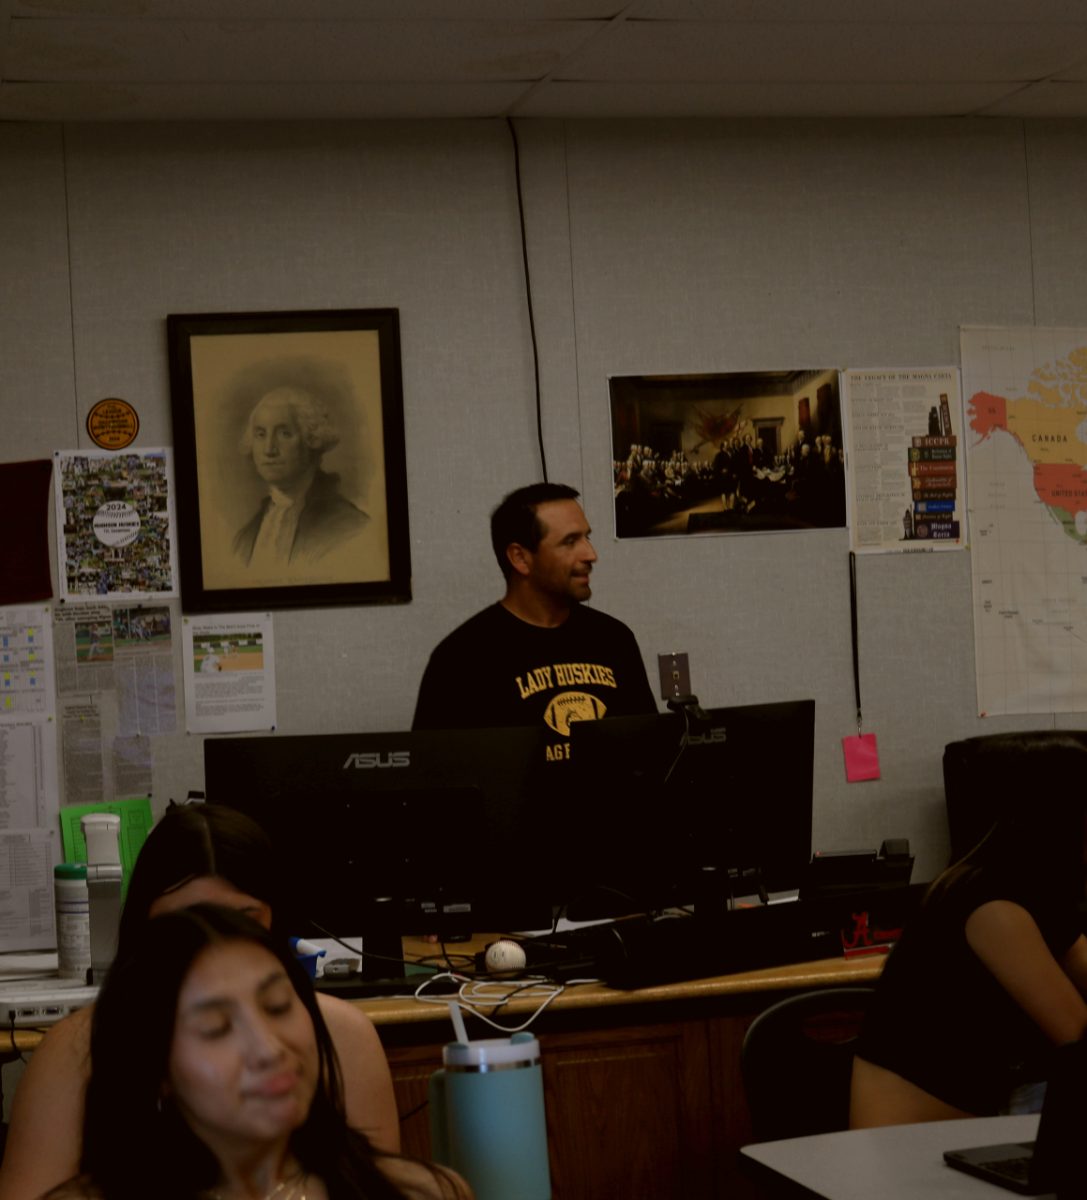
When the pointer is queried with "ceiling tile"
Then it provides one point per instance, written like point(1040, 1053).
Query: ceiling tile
point(1076, 72)
point(133, 51)
point(1043, 100)
point(256, 102)
point(319, 10)
point(752, 51)
point(74, 59)
point(572, 99)
point(867, 11)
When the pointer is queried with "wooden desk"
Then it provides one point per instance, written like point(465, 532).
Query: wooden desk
point(794, 977)
point(896, 1162)
point(643, 1089)
point(21, 1041)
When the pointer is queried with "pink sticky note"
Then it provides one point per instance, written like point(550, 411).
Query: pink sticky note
point(861, 757)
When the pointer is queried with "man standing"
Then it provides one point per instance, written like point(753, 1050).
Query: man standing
point(537, 655)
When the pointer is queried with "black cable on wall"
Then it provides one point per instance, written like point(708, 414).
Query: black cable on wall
point(528, 296)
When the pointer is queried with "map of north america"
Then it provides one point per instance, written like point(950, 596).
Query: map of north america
point(1049, 425)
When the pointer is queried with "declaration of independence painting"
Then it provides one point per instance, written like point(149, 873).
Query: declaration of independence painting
point(743, 452)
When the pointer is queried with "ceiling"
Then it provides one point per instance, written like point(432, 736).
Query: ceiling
point(120, 60)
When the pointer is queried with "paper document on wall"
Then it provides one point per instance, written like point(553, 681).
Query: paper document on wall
point(26, 664)
point(27, 857)
point(115, 524)
point(28, 774)
point(907, 488)
point(230, 684)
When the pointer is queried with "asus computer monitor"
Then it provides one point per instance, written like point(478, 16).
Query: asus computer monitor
point(433, 821)
point(672, 807)
point(474, 831)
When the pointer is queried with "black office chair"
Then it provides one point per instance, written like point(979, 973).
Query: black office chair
point(797, 1061)
point(978, 769)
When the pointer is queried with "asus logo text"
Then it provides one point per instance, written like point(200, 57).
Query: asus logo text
point(368, 760)
point(713, 736)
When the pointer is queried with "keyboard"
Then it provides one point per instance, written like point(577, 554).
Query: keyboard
point(1011, 1166)
point(1017, 1169)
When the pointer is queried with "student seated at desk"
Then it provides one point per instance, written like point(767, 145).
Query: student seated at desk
point(233, 1091)
point(991, 973)
point(196, 853)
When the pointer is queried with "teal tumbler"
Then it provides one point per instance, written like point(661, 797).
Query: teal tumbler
point(487, 1117)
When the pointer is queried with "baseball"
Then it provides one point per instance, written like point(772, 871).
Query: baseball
point(505, 958)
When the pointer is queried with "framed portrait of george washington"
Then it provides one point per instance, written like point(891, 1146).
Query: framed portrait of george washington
point(289, 459)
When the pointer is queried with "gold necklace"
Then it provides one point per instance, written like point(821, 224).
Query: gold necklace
point(293, 1185)
point(299, 1186)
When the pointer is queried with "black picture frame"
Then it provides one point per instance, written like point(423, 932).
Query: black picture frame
point(289, 459)
point(730, 453)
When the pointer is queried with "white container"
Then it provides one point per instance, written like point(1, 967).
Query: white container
point(101, 831)
point(73, 913)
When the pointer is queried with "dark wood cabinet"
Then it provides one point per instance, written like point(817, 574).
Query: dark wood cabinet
point(643, 1090)
point(635, 1106)
point(629, 1111)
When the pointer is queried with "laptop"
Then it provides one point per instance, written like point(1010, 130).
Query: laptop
point(1054, 1161)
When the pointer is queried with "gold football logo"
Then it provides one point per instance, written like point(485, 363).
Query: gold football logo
point(572, 706)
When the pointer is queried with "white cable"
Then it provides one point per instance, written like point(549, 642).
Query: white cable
point(476, 995)
point(557, 991)
point(426, 980)
point(493, 993)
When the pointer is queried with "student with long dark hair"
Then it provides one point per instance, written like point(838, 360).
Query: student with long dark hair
point(196, 853)
point(215, 1078)
point(991, 974)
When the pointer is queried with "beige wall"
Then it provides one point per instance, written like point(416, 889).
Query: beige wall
point(655, 247)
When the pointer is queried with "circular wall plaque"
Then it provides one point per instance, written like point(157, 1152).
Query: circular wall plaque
point(113, 424)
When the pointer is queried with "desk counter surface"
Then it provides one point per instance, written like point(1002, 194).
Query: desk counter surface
point(895, 1162)
point(829, 972)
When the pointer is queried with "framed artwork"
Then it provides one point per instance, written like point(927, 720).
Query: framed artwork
point(743, 452)
point(289, 459)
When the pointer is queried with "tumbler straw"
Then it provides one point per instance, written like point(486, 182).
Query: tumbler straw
point(458, 1022)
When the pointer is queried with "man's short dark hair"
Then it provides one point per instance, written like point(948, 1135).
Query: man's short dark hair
point(515, 520)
